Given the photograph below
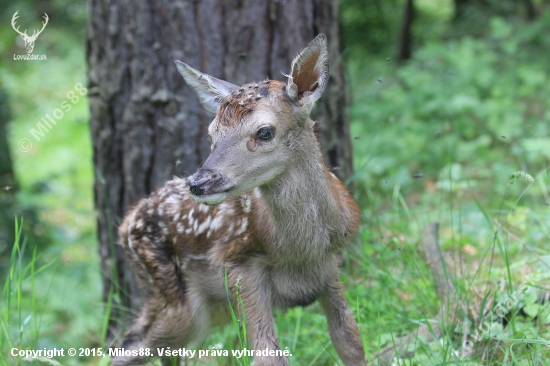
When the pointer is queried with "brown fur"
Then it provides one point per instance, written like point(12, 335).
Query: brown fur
point(279, 238)
point(242, 101)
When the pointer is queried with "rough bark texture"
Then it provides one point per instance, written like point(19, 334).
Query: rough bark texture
point(148, 126)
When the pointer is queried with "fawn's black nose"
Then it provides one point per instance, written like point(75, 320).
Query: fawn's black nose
point(199, 181)
point(195, 186)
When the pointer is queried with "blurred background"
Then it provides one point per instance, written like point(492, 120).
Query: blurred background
point(448, 98)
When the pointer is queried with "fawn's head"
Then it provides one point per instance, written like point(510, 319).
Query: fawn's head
point(256, 126)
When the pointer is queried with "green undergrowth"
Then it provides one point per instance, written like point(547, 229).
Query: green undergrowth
point(449, 137)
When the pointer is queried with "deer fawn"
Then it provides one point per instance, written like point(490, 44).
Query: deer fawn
point(264, 207)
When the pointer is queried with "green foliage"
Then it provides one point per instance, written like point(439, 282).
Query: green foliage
point(471, 110)
point(439, 139)
point(62, 301)
point(368, 26)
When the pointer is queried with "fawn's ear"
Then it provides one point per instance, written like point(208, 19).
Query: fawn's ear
point(210, 90)
point(309, 74)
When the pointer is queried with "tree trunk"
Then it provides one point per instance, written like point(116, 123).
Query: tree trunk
point(8, 185)
point(404, 50)
point(530, 9)
point(460, 8)
point(148, 126)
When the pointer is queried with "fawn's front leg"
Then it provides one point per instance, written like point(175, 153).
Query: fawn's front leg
point(342, 326)
point(256, 295)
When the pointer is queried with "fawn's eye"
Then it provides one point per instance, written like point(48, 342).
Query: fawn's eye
point(266, 133)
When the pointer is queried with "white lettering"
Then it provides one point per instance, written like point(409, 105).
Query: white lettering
point(41, 131)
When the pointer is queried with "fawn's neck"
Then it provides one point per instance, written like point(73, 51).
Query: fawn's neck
point(304, 211)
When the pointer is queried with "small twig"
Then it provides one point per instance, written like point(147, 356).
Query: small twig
point(444, 285)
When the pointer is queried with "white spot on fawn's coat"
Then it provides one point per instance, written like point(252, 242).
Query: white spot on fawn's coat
point(205, 225)
point(244, 226)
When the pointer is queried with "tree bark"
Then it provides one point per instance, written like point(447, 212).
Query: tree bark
point(8, 184)
point(530, 9)
point(404, 51)
point(148, 126)
point(460, 8)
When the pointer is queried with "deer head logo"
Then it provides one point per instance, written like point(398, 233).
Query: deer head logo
point(29, 40)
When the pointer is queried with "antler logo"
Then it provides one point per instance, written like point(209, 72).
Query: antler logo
point(29, 40)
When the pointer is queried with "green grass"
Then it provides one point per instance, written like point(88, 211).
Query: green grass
point(238, 319)
point(389, 288)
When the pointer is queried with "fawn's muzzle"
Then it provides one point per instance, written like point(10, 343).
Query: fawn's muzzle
point(205, 181)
